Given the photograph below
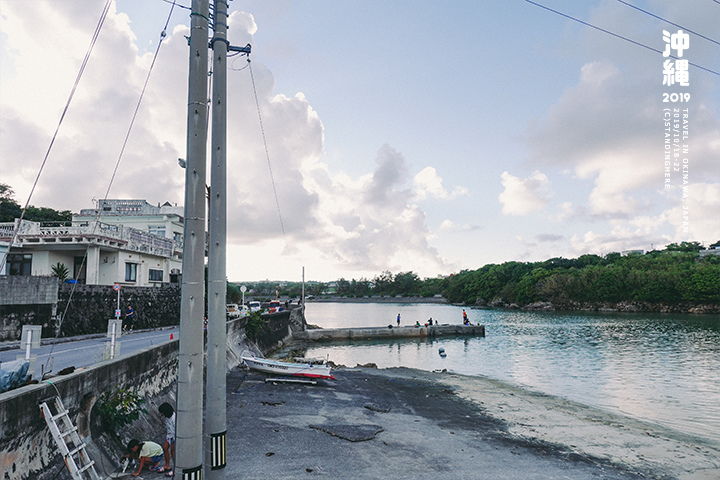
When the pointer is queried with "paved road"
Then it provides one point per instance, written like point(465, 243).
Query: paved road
point(87, 351)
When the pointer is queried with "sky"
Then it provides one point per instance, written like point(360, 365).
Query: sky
point(426, 136)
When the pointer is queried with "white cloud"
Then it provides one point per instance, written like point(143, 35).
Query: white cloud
point(365, 224)
point(429, 184)
point(447, 225)
point(371, 223)
point(697, 215)
point(523, 196)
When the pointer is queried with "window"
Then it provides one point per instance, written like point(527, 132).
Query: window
point(159, 231)
point(19, 264)
point(156, 275)
point(131, 272)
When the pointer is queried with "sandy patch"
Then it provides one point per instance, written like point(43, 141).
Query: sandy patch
point(591, 431)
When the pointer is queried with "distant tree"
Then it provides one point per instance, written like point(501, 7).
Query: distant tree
point(44, 214)
point(233, 293)
point(612, 257)
point(343, 287)
point(406, 283)
point(685, 247)
point(9, 208)
point(383, 283)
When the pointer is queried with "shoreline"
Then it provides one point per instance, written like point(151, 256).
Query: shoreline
point(571, 307)
point(587, 430)
point(407, 423)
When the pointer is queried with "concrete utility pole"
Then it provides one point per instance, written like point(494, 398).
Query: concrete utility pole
point(216, 425)
point(189, 432)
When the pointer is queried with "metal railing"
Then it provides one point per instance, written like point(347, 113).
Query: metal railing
point(131, 238)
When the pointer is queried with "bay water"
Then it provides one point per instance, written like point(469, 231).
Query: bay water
point(664, 369)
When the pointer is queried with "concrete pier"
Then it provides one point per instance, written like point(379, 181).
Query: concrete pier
point(371, 333)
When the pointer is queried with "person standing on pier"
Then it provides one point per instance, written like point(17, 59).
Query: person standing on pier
point(465, 319)
point(398, 320)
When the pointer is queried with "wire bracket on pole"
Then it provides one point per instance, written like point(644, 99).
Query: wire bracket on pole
point(246, 49)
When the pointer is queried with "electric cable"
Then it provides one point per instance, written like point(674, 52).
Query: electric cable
point(668, 21)
point(267, 154)
point(616, 35)
point(112, 179)
point(84, 63)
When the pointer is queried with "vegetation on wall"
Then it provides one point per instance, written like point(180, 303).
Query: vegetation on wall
point(119, 408)
point(255, 325)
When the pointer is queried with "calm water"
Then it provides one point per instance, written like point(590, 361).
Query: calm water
point(661, 368)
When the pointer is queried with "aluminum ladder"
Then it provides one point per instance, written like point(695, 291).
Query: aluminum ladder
point(68, 440)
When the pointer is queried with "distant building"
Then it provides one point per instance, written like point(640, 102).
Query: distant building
point(331, 288)
point(129, 242)
point(710, 251)
point(625, 253)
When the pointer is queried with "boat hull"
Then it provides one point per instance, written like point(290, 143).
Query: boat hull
point(285, 369)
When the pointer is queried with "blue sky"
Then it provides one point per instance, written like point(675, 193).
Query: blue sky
point(427, 136)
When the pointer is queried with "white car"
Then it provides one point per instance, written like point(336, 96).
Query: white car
point(255, 306)
point(233, 310)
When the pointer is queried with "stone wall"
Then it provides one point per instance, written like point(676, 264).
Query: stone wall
point(90, 307)
point(84, 309)
point(26, 301)
point(20, 290)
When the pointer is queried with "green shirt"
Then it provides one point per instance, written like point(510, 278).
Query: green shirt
point(150, 449)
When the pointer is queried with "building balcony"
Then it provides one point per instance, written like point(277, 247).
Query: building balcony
point(30, 234)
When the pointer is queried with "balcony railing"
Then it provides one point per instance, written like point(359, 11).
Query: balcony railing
point(127, 238)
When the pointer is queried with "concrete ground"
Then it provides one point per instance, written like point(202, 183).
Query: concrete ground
point(387, 424)
point(407, 424)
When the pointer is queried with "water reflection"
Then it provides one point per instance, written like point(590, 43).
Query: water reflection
point(661, 368)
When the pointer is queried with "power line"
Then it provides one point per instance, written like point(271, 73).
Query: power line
point(616, 35)
point(117, 164)
point(668, 21)
point(176, 5)
point(267, 154)
point(103, 16)
point(137, 107)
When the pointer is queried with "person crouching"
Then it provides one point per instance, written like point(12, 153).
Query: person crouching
point(146, 453)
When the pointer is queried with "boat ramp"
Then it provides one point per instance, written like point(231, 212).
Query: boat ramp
point(371, 333)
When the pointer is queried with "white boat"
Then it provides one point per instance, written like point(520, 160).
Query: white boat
point(285, 369)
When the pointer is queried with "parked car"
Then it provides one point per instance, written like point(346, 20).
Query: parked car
point(255, 306)
point(236, 311)
point(232, 310)
point(275, 307)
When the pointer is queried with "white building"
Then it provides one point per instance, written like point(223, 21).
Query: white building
point(129, 242)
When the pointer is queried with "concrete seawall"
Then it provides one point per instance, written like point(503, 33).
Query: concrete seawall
point(370, 333)
point(27, 450)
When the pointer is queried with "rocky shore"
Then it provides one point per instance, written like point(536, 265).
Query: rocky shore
point(408, 424)
point(378, 299)
point(625, 307)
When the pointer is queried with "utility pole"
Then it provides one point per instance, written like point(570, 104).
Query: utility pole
point(189, 432)
point(216, 425)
